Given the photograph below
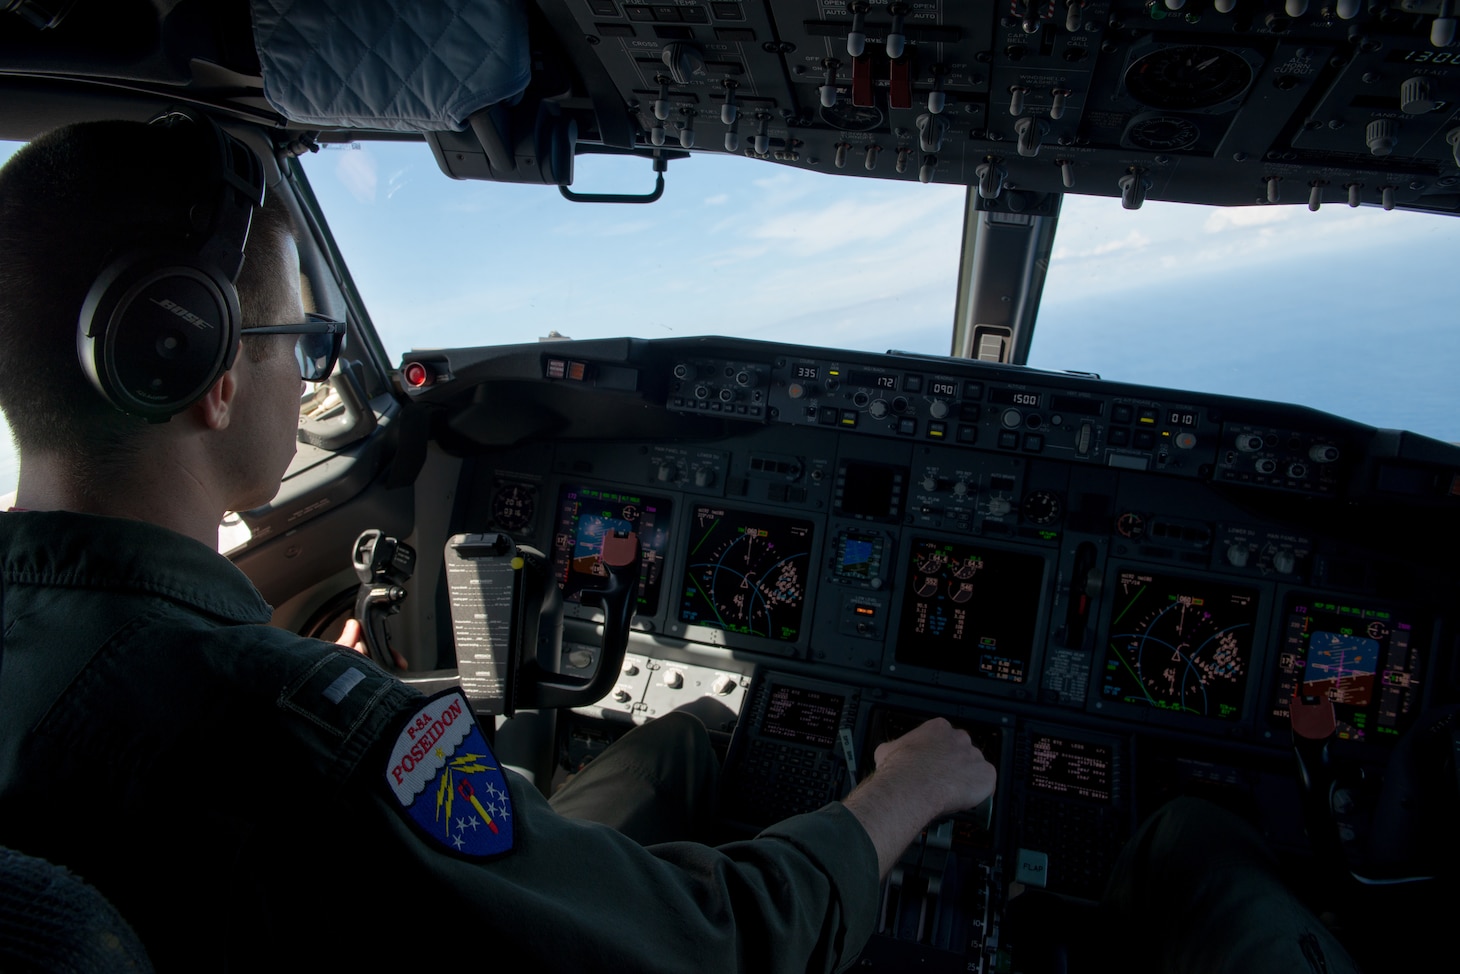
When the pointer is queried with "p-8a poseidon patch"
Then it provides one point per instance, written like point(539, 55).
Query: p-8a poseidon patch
point(447, 781)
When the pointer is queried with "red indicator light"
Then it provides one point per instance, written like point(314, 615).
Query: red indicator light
point(416, 375)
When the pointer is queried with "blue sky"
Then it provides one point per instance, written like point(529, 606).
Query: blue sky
point(1348, 311)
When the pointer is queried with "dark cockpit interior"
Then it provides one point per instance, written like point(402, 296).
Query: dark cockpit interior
point(1124, 593)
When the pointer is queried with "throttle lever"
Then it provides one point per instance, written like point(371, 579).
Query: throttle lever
point(383, 565)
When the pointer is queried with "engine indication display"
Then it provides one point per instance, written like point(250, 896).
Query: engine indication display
point(746, 573)
point(585, 516)
point(1366, 659)
point(1179, 645)
point(970, 610)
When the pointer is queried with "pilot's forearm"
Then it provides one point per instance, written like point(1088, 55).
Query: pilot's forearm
point(931, 771)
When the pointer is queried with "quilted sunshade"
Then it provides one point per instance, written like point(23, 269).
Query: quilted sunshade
point(401, 65)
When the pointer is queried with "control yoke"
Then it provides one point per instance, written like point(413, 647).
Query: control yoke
point(383, 566)
point(538, 683)
point(507, 615)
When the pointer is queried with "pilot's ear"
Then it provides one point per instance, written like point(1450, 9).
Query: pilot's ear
point(215, 408)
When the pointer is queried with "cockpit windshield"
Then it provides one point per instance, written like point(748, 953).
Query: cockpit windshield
point(1271, 302)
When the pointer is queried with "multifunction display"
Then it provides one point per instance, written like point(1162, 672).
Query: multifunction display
point(1366, 659)
point(585, 516)
point(1064, 767)
point(746, 572)
point(802, 715)
point(1180, 645)
point(970, 610)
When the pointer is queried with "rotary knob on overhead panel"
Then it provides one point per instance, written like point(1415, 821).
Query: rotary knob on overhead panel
point(1031, 133)
point(990, 179)
point(960, 488)
point(1417, 97)
point(704, 477)
point(929, 483)
point(685, 62)
point(931, 130)
point(1238, 554)
point(1382, 136)
point(1133, 186)
point(622, 695)
point(1284, 562)
point(723, 685)
point(999, 506)
point(674, 678)
point(631, 668)
point(666, 473)
point(1248, 442)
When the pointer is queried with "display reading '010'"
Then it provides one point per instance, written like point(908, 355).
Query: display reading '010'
point(1180, 645)
point(746, 572)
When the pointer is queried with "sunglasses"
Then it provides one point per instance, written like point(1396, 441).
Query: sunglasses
point(318, 347)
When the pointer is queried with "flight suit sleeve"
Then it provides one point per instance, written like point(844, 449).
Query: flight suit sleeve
point(471, 859)
point(575, 896)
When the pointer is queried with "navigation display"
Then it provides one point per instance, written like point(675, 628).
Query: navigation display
point(746, 572)
point(585, 515)
point(1063, 767)
point(970, 610)
point(1365, 658)
point(1180, 645)
point(801, 715)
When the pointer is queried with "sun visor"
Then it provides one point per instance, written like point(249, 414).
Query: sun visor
point(398, 65)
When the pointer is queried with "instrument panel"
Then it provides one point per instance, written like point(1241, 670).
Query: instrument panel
point(1115, 589)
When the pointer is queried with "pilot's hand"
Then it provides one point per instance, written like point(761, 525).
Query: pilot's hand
point(931, 771)
point(939, 759)
point(353, 637)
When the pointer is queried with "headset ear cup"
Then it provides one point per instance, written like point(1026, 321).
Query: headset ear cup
point(156, 331)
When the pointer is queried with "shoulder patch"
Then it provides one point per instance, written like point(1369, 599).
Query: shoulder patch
point(447, 781)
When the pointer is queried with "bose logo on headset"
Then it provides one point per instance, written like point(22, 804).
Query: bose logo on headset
point(161, 322)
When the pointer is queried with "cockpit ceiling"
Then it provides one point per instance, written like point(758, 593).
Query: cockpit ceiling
point(1232, 102)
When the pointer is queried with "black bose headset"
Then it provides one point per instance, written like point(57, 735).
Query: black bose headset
point(161, 323)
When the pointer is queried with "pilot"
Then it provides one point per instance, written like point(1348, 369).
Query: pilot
point(247, 797)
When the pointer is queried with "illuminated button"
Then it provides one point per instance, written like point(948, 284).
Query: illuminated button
point(416, 375)
point(849, 418)
point(1147, 417)
point(1119, 437)
point(1008, 440)
point(937, 431)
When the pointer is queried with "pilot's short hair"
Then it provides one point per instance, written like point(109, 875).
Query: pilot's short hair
point(68, 201)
